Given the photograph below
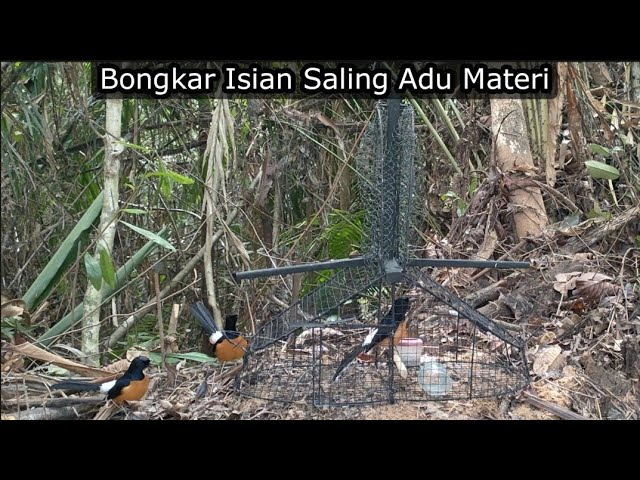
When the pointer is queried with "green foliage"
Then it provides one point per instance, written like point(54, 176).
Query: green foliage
point(151, 236)
point(106, 264)
point(173, 358)
point(452, 200)
point(597, 212)
point(122, 275)
point(600, 150)
point(94, 272)
point(343, 234)
point(62, 258)
point(176, 177)
point(601, 170)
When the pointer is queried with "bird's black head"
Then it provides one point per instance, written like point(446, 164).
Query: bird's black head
point(401, 305)
point(138, 364)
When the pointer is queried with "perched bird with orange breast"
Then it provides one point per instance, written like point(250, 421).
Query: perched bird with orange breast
point(130, 387)
point(228, 344)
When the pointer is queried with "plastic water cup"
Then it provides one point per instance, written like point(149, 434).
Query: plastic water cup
point(433, 378)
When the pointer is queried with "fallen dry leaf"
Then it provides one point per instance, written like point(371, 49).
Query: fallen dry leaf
point(589, 284)
point(546, 338)
point(488, 246)
point(11, 308)
point(599, 73)
point(594, 286)
point(565, 282)
point(548, 359)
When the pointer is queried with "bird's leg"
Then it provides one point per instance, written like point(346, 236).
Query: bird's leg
point(376, 355)
point(402, 369)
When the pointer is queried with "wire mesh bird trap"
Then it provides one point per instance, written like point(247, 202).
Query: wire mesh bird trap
point(381, 329)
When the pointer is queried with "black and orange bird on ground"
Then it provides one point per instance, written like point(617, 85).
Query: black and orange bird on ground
point(228, 344)
point(130, 387)
point(393, 325)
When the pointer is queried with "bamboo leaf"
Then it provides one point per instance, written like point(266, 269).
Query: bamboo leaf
point(165, 188)
point(151, 236)
point(134, 211)
point(94, 272)
point(176, 177)
point(172, 358)
point(55, 267)
point(108, 272)
point(133, 146)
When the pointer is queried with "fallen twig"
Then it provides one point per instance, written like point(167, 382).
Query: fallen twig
point(561, 412)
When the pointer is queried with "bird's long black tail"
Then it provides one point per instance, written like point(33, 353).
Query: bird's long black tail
point(348, 359)
point(76, 386)
point(204, 317)
point(230, 323)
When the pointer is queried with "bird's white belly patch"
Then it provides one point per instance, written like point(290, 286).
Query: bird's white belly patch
point(105, 387)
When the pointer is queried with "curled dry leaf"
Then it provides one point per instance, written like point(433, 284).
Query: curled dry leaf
point(485, 120)
point(593, 277)
point(547, 338)
point(570, 321)
point(565, 282)
point(599, 73)
point(594, 286)
point(582, 257)
point(549, 359)
point(519, 304)
point(171, 344)
point(11, 308)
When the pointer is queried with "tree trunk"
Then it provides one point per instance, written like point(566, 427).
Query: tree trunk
point(513, 156)
point(107, 229)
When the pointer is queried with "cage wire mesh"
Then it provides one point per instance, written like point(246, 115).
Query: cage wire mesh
point(451, 352)
point(387, 188)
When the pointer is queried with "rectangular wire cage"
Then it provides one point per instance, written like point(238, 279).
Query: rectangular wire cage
point(443, 356)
